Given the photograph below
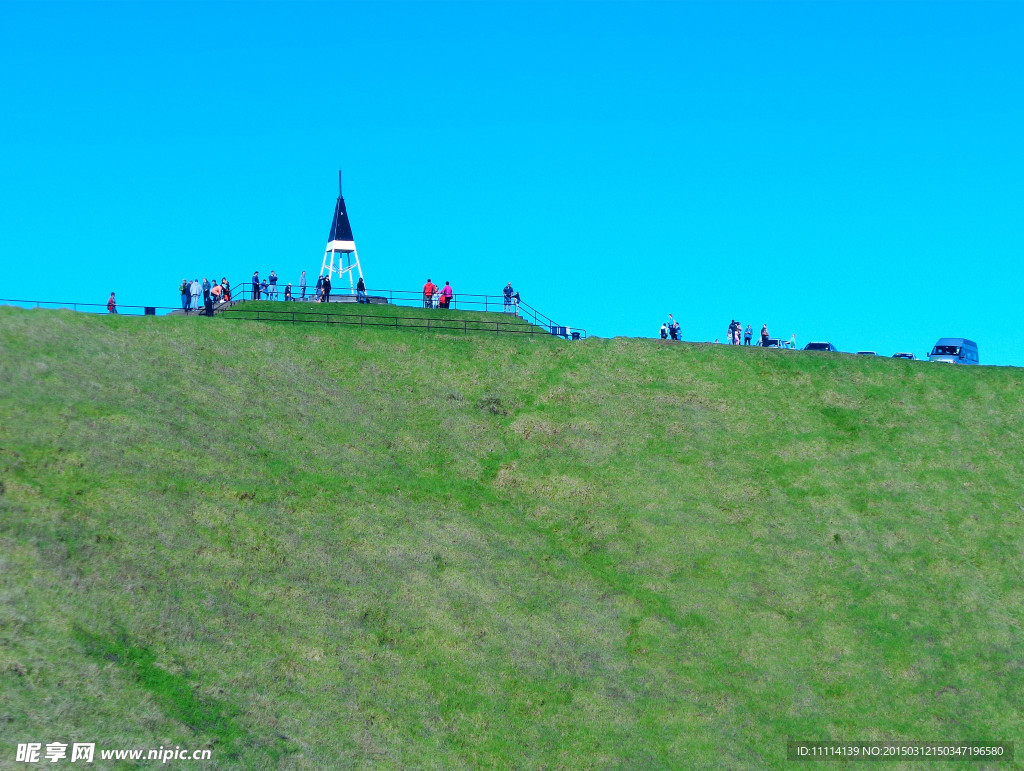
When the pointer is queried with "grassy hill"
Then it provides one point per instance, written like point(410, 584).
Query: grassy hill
point(310, 546)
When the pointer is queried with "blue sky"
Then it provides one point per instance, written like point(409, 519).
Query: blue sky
point(850, 172)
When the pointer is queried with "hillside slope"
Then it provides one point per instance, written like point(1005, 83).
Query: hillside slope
point(310, 547)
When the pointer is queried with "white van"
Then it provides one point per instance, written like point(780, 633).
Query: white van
point(955, 350)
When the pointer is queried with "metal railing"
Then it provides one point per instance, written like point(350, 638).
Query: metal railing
point(406, 297)
point(121, 310)
point(429, 323)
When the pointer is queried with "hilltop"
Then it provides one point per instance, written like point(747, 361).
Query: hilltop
point(312, 546)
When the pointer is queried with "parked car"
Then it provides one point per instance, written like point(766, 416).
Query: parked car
point(821, 347)
point(910, 356)
point(866, 353)
point(955, 350)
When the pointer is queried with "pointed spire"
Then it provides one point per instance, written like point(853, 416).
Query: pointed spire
point(340, 238)
point(341, 230)
point(341, 245)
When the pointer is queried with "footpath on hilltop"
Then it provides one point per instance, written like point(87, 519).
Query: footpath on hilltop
point(312, 546)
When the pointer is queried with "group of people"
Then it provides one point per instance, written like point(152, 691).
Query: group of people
point(670, 329)
point(267, 289)
point(212, 293)
point(322, 290)
point(435, 296)
point(442, 297)
point(735, 331)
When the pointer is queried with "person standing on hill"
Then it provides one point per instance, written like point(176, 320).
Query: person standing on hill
point(361, 291)
point(507, 292)
point(272, 282)
point(255, 285)
point(319, 288)
point(194, 291)
point(288, 293)
point(325, 290)
point(446, 296)
point(206, 289)
point(225, 289)
point(515, 303)
point(111, 304)
point(664, 332)
point(428, 293)
point(748, 333)
point(764, 335)
point(185, 298)
point(302, 285)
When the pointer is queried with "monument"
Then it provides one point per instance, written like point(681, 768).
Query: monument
point(341, 245)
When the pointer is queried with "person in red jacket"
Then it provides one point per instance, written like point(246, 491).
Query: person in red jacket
point(428, 293)
point(111, 304)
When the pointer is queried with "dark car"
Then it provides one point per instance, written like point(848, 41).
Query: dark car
point(910, 356)
point(821, 347)
point(866, 353)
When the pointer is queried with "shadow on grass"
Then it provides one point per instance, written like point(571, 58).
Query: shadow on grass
point(174, 693)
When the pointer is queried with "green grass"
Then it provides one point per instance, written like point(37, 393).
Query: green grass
point(313, 546)
point(452, 321)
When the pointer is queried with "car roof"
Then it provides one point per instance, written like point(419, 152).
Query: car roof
point(961, 341)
